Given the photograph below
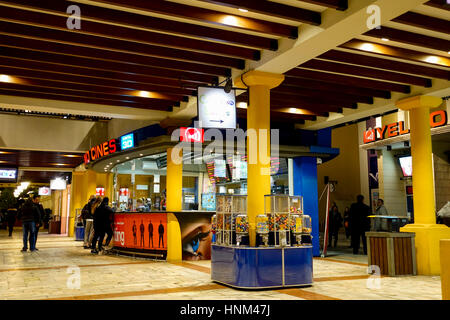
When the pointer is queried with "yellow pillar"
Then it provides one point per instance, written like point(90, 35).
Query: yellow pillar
point(76, 199)
point(258, 141)
point(174, 184)
point(445, 269)
point(91, 183)
point(428, 233)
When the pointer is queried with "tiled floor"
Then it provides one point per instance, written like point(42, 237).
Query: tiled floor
point(62, 269)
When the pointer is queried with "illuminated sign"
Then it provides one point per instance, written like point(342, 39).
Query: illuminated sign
point(58, 184)
point(8, 174)
point(216, 108)
point(437, 119)
point(192, 135)
point(100, 192)
point(45, 191)
point(127, 141)
point(100, 151)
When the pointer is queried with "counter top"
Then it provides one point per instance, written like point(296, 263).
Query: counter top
point(150, 212)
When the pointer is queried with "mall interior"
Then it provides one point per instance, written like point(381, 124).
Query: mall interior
point(225, 134)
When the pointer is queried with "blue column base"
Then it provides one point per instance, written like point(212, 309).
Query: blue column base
point(261, 268)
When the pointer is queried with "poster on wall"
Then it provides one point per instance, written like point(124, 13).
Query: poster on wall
point(147, 233)
point(196, 235)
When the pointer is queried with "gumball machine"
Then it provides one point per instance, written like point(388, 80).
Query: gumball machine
point(282, 226)
point(262, 228)
point(214, 228)
point(296, 224)
point(219, 231)
point(306, 225)
point(241, 227)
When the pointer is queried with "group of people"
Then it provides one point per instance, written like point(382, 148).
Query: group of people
point(97, 218)
point(356, 222)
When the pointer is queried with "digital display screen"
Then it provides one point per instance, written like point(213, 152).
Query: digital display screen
point(406, 165)
point(220, 168)
point(8, 174)
point(127, 141)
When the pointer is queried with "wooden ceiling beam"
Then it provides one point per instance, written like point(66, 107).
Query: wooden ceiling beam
point(411, 38)
point(339, 88)
point(122, 33)
point(346, 69)
point(425, 22)
point(178, 10)
point(118, 46)
point(39, 78)
point(279, 117)
point(440, 4)
point(81, 99)
point(351, 81)
point(120, 77)
point(396, 52)
point(137, 21)
point(32, 87)
point(387, 64)
point(100, 55)
point(114, 66)
point(341, 5)
point(290, 112)
point(273, 9)
point(311, 93)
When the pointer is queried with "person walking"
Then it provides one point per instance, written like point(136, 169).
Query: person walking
point(88, 222)
point(161, 234)
point(102, 225)
point(109, 220)
point(97, 223)
point(335, 225)
point(360, 223)
point(36, 201)
point(11, 215)
point(29, 214)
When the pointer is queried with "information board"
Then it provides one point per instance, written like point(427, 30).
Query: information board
point(216, 108)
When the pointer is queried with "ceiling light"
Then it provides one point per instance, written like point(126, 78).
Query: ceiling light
point(242, 105)
point(27, 111)
point(5, 78)
point(243, 10)
point(432, 59)
point(144, 94)
point(141, 154)
point(127, 158)
point(385, 39)
point(367, 47)
point(230, 20)
point(72, 156)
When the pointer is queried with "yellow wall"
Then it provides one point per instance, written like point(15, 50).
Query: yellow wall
point(344, 169)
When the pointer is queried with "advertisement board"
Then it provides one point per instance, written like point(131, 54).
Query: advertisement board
point(192, 134)
point(45, 191)
point(216, 108)
point(127, 141)
point(8, 175)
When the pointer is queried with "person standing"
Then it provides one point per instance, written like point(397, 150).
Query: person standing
point(11, 215)
point(36, 200)
point(97, 223)
point(380, 211)
point(29, 214)
point(150, 234)
point(335, 225)
point(88, 222)
point(109, 220)
point(347, 224)
point(360, 223)
point(142, 230)
point(161, 234)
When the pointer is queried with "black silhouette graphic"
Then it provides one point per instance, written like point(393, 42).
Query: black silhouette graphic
point(142, 229)
point(150, 234)
point(161, 233)
point(134, 232)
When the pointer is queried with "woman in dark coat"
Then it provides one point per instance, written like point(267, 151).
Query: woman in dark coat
point(335, 223)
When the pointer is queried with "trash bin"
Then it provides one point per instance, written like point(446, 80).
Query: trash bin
point(79, 233)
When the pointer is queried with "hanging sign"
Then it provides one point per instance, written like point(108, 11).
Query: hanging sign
point(100, 151)
point(216, 108)
point(100, 192)
point(437, 119)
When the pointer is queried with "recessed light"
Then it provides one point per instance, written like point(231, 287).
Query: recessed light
point(367, 47)
point(141, 154)
point(432, 59)
point(144, 94)
point(127, 158)
point(5, 78)
point(385, 39)
point(243, 10)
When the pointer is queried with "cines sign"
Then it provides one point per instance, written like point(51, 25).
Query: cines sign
point(437, 119)
point(103, 149)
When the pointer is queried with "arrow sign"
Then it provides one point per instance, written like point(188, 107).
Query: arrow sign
point(221, 121)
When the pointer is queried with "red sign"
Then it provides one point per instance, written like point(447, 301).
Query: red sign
point(141, 231)
point(124, 192)
point(192, 135)
point(100, 192)
point(102, 150)
point(437, 119)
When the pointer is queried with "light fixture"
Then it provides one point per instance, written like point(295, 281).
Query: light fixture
point(385, 39)
point(243, 10)
point(242, 105)
point(432, 59)
point(5, 78)
point(144, 94)
point(228, 85)
point(230, 20)
point(367, 47)
point(72, 156)
point(127, 158)
point(141, 154)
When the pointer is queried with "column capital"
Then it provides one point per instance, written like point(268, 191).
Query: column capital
point(259, 78)
point(419, 102)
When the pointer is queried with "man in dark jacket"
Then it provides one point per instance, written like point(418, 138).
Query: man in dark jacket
point(88, 222)
point(36, 200)
point(360, 223)
point(29, 214)
point(101, 221)
point(161, 234)
point(11, 215)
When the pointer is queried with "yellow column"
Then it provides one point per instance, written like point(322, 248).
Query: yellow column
point(258, 141)
point(91, 183)
point(428, 233)
point(445, 269)
point(174, 184)
point(76, 199)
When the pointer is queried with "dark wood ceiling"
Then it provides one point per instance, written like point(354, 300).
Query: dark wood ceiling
point(167, 49)
point(35, 177)
point(39, 159)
